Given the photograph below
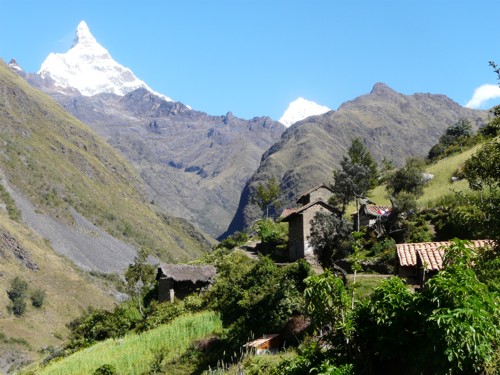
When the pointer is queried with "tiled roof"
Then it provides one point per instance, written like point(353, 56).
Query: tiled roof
point(430, 254)
point(377, 210)
point(287, 212)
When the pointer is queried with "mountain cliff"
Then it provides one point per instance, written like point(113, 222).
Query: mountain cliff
point(195, 165)
point(392, 125)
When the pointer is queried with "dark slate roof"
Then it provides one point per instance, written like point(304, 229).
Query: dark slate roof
point(186, 272)
point(430, 254)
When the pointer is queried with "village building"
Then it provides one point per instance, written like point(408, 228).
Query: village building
point(371, 215)
point(299, 221)
point(180, 280)
point(417, 262)
point(268, 344)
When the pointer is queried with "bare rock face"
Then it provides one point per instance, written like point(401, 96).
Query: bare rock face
point(194, 164)
point(392, 125)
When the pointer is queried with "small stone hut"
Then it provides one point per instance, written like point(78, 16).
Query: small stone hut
point(299, 221)
point(267, 344)
point(180, 280)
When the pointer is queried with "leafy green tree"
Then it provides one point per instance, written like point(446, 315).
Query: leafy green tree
point(267, 195)
point(357, 175)
point(359, 154)
point(409, 178)
point(330, 237)
point(140, 277)
point(482, 171)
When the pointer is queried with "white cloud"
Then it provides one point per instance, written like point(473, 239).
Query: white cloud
point(482, 94)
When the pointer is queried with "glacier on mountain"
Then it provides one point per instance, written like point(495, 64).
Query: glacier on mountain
point(300, 109)
point(88, 67)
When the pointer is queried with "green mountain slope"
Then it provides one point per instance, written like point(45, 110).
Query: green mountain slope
point(69, 203)
point(62, 167)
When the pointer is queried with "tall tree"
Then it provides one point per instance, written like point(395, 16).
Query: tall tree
point(267, 194)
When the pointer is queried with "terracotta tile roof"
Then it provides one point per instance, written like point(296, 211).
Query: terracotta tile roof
point(430, 254)
point(287, 212)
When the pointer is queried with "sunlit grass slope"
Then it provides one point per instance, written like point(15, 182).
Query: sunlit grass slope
point(134, 354)
point(58, 162)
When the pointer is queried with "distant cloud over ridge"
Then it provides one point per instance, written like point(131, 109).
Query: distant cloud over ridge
point(482, 94)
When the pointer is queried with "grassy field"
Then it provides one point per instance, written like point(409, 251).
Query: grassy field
point(138, 353)
point(438, 187)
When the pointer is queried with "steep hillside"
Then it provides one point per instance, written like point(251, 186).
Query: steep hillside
point(194, 165)
point(392, 125)
point(66, 172)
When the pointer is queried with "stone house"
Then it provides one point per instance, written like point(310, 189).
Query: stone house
point(371, 215)
point(180, 280)
point(299, 221)
point(417, 262)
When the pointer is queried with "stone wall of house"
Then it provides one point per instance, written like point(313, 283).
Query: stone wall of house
point(296, 238)
point(307, 217)
point(165, 289)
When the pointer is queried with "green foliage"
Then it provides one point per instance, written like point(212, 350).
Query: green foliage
point(18, 288)
point(271, 232)
point(255, 298)
point(98, 325)
point(234, 240)
point(482, 170)
point(451, 327)
point(161, 313)
point(267, 194)
point(140, 277)
point(408, 178)
point(38, 298)
point(10, 204)
point(328, 303)
point(330, 237)
point(358, 175)
point(492, 129)
point(17, 295)
point(105, 370)
point(453, 140)
point(359, 154)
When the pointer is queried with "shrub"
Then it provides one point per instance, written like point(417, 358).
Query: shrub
point(37, 298)
point(105, 370)
point(17, 293)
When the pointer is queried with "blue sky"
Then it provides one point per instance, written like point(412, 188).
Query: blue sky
point(254, 57)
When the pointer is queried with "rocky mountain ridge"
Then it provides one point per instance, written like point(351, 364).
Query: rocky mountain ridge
point(392, 125)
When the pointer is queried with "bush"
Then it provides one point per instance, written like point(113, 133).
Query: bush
point(18, 288)
point(105, 370)
point(17, 294)
point(37, 298)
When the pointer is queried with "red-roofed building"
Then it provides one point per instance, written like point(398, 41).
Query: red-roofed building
point(419, 261)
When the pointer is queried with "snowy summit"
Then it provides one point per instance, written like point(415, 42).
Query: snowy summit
point(300, 109)
point(89, 68)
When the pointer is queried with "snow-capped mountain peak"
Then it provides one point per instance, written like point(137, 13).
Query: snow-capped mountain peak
point(83, 35)
point(300, 109)
point(89, 68)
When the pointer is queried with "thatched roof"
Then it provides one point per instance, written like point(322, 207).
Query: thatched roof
point(290, 213)
point(186, 272)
